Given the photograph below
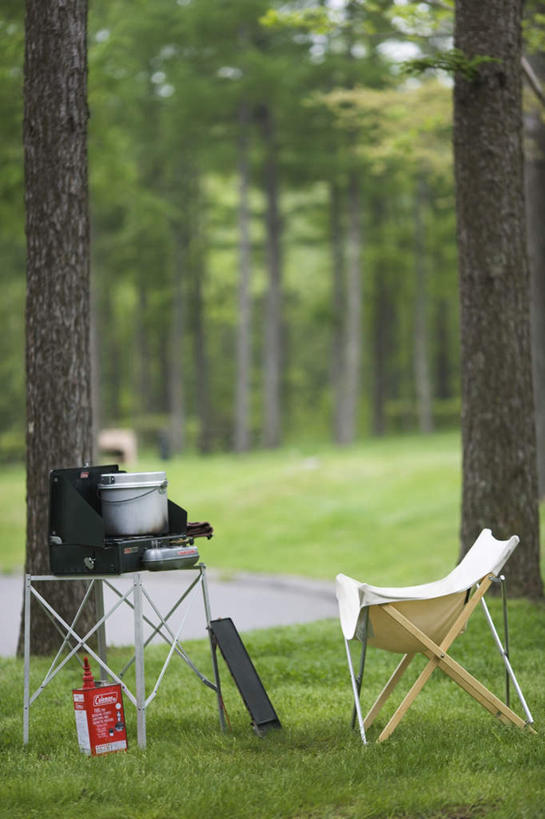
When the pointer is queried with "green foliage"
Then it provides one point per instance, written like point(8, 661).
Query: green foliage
point(12, 248)
point(166, 84)
point(452, 62)
point(449, 757)
point(533, 27)
point(422, 21)
point(317, 20)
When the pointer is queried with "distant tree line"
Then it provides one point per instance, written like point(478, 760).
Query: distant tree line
point(272, 223)
point(270, 255)
point(176, 296)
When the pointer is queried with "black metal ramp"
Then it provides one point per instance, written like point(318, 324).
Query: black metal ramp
point(225, 635)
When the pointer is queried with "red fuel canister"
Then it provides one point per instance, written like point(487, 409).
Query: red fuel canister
point(100, 719)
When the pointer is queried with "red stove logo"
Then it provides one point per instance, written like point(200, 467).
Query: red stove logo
point(104, 699)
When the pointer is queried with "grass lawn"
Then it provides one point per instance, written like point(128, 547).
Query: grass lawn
point(448, 758)
point(312, 512)
point(387, 511)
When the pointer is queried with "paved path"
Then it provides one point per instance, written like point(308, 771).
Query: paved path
point(252, 601)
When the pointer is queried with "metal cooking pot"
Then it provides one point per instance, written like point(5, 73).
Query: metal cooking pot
point(134, 503)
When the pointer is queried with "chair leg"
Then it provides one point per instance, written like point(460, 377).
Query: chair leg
point(387, 690)
point(505, 633)
point(408, 700)
point(479, 692)
point(359, 678)
point(355, 692)
point(510, 674)
point(438, 657)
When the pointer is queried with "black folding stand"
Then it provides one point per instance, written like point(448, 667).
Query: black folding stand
point(224, 634)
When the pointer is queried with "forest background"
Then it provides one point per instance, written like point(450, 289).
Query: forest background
point(272, 221)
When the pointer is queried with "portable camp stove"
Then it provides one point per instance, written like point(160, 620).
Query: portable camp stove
point(79, 547)
point(78, 543)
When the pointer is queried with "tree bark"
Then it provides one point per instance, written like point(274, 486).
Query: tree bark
point(443, 365)
point(176, 403)
point(383, 322)
point(498, 423)
point(143, 363)
point(422, 378)
point(337, 302)
point(353, 338)
point(243, 360)
point(111, 369)
point(95, 371)
point(59, 424)
point(200, 353)
point(273, 305)
point(535, 198)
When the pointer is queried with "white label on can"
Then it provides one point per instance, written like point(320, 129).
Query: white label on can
point(120, 745)
point(82, 728)
point(78, 698)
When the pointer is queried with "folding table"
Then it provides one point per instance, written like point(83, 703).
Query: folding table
point(72, 642)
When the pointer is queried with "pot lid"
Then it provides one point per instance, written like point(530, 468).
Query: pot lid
point(126, 480)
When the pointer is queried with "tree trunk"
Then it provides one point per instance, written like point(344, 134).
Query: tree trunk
point(498, 422)
point(95, 371)
point(243, 361)
point(59, 425)
point(111, 369)
point(176, 404)
point(442, 350)
point(273, 309)
point(353, 308)
point(381, 324)
point(421, 356)
point(535, 198)
point(200, 353)
point(382, 327)
point(144, 393)
point(337, 302)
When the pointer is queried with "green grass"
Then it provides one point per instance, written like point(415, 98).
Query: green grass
point(313, 512)
point(12, 517)
point(384, 510)
point(448, 758)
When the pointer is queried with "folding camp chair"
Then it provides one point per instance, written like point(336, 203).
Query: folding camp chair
point(426, 619)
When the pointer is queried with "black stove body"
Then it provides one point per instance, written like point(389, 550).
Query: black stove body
point(77, 540)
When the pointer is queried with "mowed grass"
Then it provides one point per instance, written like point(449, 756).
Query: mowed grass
point(386, 510)
point(448, 758)
point(383, 511)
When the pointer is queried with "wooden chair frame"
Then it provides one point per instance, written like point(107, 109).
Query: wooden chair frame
point(438, 657)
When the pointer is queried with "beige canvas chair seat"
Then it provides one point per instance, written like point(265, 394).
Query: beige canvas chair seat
point(427, 619)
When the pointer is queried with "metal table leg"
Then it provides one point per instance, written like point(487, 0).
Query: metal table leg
point(101, 631)
point(82, 642)
point(202, 568)
point(139, 662)
point(26, 694)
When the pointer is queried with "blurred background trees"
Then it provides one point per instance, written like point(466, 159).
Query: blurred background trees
point(272, 222)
